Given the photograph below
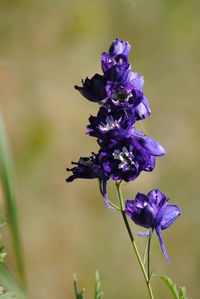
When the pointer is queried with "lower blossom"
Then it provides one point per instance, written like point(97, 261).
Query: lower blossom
point(153, 211)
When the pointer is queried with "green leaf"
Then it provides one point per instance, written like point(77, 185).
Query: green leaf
point(82, 293)
point(182, 293)
point(171, 286)
point(98, 294)
point(8, 295)
point(10, 284)
point(177, 295)
point(7, 177)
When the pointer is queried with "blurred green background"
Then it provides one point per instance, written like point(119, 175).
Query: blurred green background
point(48, 46)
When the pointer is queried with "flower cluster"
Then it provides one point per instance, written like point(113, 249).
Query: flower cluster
point(124, 152)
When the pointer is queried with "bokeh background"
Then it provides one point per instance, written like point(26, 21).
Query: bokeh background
point(48, 46)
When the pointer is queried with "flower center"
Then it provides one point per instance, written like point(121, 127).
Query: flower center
point(121, 95)
point(125, 157)
point(109, 124)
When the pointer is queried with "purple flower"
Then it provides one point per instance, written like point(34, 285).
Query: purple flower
point(90, 168)
point(107, 121)
point(153, 211)
point(93, 89)
point(123, 96)
point(125, 159)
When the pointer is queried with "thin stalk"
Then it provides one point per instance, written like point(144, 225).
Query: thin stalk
point(149, 252)
point(145, 251)
point(6, 173)
point(114, 206)
point(133, 241)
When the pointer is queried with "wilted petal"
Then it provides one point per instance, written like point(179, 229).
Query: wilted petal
point(93, 89)
point(159, 233)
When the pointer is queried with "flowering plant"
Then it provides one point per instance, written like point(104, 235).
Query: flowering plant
point(124, 152)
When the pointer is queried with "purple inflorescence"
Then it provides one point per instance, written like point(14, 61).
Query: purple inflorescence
point(124, 152)
point(152, 211)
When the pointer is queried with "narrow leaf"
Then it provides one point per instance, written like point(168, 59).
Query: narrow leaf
point(171, 286)
point(10, 284)
point(182, 293)
point(82, 293)
point(98, 293)
point(6, 173)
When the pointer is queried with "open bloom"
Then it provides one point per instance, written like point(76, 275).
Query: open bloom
point(153, 211)
point(124, 160)
point(107, 121)
point(122, 95)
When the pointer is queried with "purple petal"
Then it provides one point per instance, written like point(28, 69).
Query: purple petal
point(167, 215)
point(146, 104)
point(152, 162)
point(158, 231)
point(135, 80)
point(141, 111)
point(144, 234)
point(119, 47)
point(158, 197)
point(152, 146)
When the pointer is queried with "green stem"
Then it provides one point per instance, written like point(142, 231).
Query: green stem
point(114, 206)
point(133, 241)
point(145, 252)
point(149, 252)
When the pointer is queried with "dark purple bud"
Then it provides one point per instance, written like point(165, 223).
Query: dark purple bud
point(93, 89)
point(119, 47)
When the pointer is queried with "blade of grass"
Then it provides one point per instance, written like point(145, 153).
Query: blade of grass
point(9, 283)
point(6, 173)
